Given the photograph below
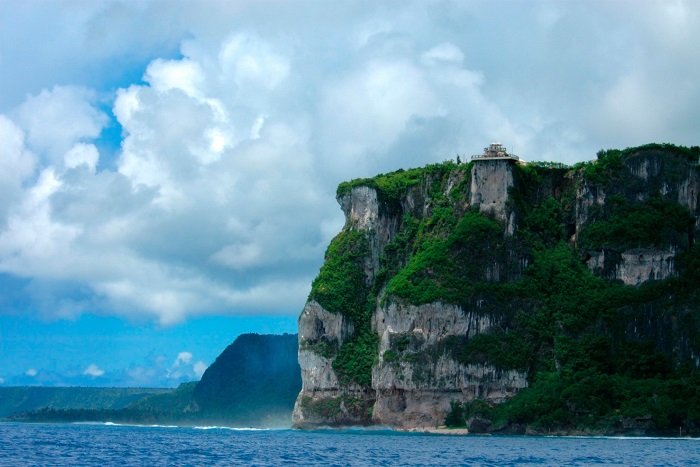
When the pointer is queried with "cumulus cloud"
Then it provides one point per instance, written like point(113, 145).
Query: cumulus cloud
point(238, 124)
point(93, 370)
point(183, 358)
point(185, 369)
point(156, 370)
point(54, 120)
point(17, 164)
point(199, 368)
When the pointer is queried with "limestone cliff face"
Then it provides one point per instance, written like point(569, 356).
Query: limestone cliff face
point(423, 360)
point(634, 266)
point(491, 180)
point(413, 391)
point(361, 209)
point(316, 324)
point(650, 173)
point(416, 388)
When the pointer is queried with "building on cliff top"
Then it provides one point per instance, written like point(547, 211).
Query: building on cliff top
point(496, 151)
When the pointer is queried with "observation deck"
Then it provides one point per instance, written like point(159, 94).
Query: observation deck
point(495, 151)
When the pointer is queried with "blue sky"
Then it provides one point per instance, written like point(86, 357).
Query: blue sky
point(168, 168)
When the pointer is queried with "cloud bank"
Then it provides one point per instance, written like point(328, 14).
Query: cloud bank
point(236, 121)
point(151, 372)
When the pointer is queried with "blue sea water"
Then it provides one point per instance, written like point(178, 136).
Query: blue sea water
point(105, 445)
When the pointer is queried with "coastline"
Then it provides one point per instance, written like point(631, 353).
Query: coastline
point(442, 430)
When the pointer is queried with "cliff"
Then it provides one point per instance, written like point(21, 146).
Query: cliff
point(457, 286)
point(254, 382)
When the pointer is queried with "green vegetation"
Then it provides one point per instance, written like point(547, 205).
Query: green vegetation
point(506, 350)
point(322, 347)
point(356, 358)
point(340, 285)
point(170, 406)
point(341, 288)
point(392, 187)
point(607, 403)
point(656, 222)
point(28, 398)
point(334, 407)
point(608, 169)
point(461, 412)
point(446, 264)
point(596, 351)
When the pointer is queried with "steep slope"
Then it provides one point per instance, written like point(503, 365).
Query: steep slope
point(254, 382)
point(463, 284)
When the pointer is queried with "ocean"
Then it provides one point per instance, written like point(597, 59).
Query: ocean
point(106, 445)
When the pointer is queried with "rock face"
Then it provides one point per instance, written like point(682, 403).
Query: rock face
point(417, 371)
point(491, 180)
point(635, 266)
point(361, 209)
point(417, 392)
point(649, 174)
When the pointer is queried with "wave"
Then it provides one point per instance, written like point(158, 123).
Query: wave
point(215, 427)
point(657, 438)
point(124, 424)
point(98, 423)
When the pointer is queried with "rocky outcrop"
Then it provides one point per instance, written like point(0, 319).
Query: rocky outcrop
point(634, 266)
point(415, 391)
point(418, 371)
point(490, 181)
point(362, 212)
point(647, 174)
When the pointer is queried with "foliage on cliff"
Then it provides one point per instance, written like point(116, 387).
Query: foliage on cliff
point(340, 285)
point(595, 403)
point(577, 335)
point(656, 222)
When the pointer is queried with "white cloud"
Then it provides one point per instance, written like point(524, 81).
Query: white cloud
point(445, 52)
point(167, 75)
point(199, 368)
point(16, 165)
point(183, 358)
point(251, 62)
point(93, 370)
point(32, 372)
point(238, 256)
point(185, 369)
point(82, 154)
point(57, 119)
point(238, 125)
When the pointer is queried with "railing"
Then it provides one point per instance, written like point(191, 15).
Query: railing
point(498, 156)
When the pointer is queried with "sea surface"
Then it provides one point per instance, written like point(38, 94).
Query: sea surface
point(105, 445)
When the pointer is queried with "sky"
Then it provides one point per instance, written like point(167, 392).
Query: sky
point(168, 168)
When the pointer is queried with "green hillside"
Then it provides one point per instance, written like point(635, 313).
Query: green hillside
point(28, 398)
